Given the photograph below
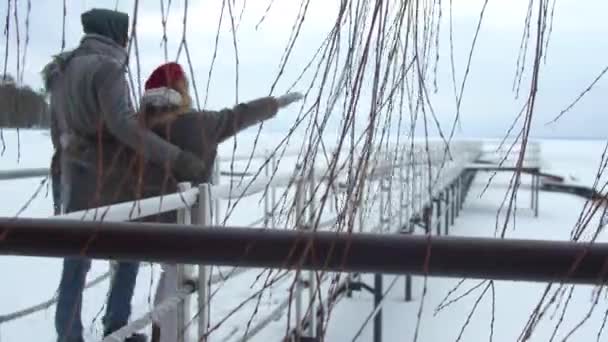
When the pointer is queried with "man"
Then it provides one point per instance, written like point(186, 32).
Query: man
point(166, 109)
point(92, 120)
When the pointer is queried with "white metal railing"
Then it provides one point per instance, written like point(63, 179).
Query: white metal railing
point(135, 209)
point(401, 168)
point(23, 173)
point(508, 155)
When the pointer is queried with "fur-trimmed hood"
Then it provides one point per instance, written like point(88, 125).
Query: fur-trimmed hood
point(90, 44)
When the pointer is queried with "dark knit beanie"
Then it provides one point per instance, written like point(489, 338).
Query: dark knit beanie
point(108, 23)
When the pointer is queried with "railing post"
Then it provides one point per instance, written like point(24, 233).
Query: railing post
point(216, 181)
point(532, 185)
point(458, 193)
point(465, 188)
point(184, 272)
point(426, 209)
point(415, 188)
point(409, 198)
point(390, 192)
point(537, 191)
point(402, 191)
point(404, 207)
point(203, 218)
point(312, 324)
point(439, 212)
point(446, 195)
point(267, 207)
point(452, 207)
point(423, 188)
point(466, 179)
point(378, 276)
point(361, 223)
point(299, 217)
point(423, 184)
point(408, 288)
point(382, 205)
point(378, 302)
point(411, 188)
point(273, 195)
point(420, 185)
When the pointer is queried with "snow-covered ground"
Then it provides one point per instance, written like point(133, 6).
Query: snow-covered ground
point(513, 302)
point(28, 281)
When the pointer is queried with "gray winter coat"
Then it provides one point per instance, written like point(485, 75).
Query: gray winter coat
point(200, 133)
point(92, 119)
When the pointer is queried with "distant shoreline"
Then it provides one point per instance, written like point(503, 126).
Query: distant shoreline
point(418, 137)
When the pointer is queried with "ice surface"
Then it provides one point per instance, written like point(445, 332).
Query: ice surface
point(27, 281)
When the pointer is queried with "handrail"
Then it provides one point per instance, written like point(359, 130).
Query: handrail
point(227, 191)
point(216, 278)
point(23, 173)
point(11, 174)
point(247, 156)
point(134, 209)
point(529, 260)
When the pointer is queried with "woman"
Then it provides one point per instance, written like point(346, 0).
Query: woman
point(166, 109)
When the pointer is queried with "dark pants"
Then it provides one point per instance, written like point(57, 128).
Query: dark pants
point(68, 315)
point(68, 322)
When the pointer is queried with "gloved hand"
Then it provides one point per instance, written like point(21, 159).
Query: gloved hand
point(289, 98)
point(188, 167)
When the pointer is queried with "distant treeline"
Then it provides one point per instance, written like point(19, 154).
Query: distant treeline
point(21, 106)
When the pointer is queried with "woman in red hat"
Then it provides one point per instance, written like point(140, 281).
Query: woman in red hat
point(166, 109)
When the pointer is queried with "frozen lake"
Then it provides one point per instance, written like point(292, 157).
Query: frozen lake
point(500, 315)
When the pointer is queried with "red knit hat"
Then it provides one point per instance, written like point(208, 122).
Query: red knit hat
point(165, 75)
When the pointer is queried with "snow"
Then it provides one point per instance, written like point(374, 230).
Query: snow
point(27, 281)
point(514, 301)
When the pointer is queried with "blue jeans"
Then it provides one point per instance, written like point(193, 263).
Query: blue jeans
point(77, 194)
point(68, 322)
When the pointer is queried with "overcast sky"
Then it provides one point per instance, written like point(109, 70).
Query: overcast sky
point(577, 54)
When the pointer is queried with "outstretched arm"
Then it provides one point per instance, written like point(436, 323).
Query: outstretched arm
point(228, 122)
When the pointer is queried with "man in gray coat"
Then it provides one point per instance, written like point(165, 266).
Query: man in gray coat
point(92, 120)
